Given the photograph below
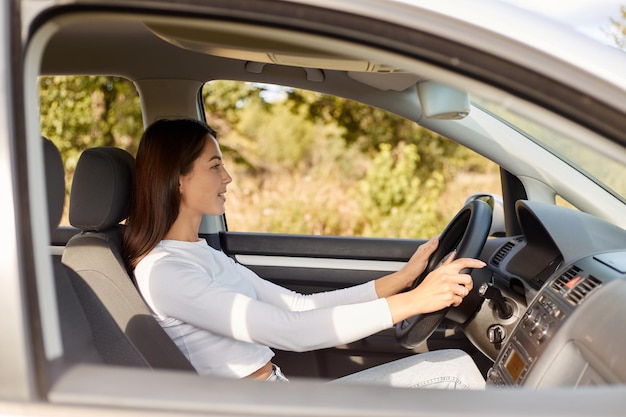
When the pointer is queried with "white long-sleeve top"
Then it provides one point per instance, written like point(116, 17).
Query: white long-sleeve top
point(225, 318)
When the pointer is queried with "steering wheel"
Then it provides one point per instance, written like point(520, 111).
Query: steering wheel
point(467, 234)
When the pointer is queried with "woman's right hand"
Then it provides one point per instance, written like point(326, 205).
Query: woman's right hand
point(443, 287)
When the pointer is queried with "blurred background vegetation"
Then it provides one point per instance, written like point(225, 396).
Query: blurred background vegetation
point(323, 165)
point(303, 162)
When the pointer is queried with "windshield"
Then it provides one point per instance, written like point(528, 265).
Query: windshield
point(602, 169)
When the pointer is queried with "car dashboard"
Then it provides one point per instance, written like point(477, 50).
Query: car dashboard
point(571, 267)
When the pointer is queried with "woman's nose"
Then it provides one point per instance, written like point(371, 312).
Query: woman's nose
point(226, 178)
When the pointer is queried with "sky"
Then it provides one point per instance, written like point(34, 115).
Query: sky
point(591, 17)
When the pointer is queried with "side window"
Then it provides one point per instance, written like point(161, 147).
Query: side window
point(79, 112)
point(308, 163)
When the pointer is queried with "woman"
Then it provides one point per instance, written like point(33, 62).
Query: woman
point(224, 317)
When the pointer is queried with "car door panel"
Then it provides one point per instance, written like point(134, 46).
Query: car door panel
point(315, 263)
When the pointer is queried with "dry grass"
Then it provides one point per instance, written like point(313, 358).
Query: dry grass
point(321, 206)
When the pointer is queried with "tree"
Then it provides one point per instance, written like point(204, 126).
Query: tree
point(368, 128)
point(395, 201)
point(617, 29)
point(303, 162)
point(80, 112)
point(315, 163)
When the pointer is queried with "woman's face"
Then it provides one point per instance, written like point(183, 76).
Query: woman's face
point(203, 190)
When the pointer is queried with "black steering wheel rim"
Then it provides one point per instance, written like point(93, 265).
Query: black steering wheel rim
point(466, 234)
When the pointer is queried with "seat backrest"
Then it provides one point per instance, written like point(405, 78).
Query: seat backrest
point(88, 332)
point(98, 203)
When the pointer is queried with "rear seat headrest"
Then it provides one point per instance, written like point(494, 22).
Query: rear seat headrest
point(101, 188)
point(55, 183)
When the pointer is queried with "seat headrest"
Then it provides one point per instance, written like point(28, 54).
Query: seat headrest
point(55, 183)
point(101, 188)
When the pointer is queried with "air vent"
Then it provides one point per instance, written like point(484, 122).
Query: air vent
point(574, 287)
point(501, 254)
point(582, 289)
point(564, 279)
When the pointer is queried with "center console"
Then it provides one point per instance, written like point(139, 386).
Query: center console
point(547, 314)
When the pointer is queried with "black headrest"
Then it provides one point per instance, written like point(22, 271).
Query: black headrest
point(101, 188)
point(55, 183)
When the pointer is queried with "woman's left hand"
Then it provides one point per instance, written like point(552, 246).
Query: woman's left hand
point(404, 278)
point(419, 260)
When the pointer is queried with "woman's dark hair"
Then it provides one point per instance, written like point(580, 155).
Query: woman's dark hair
point(167, 150)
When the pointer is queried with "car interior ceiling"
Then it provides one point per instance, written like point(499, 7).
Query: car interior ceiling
point(147, 47)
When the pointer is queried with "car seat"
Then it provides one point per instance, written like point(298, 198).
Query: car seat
point(98, 204)
point(88, 332)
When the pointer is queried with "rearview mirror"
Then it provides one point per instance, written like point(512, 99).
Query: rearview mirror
point(442, 102)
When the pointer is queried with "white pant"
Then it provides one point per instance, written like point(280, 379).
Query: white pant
point(449, 368)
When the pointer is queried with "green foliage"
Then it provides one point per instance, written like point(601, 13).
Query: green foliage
point(80, 112)
point(302, 162)
point(320, 164)
point(366, 126)
point(224, 99)
point(396, 202)
point(283, 140)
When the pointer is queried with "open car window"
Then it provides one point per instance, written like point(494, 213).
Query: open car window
point(311, 163)
point(80, 112)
